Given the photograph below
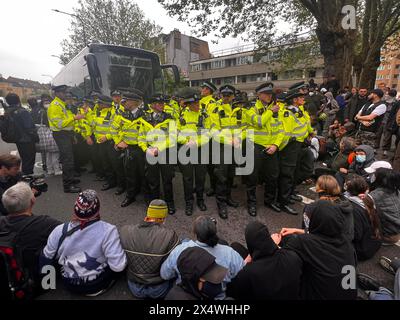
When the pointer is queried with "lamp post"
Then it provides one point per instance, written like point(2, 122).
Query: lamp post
point(77, 17)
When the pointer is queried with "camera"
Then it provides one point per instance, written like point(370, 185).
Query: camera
point(36, 182)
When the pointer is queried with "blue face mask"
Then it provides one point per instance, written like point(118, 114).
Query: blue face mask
point(361, 158)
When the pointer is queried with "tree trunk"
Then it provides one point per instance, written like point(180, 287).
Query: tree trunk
point(369, 69)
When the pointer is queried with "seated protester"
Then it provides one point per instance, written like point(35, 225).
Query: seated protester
point(272, 274)
point(340, 160)
point(201, 276)
point(31, 231)
point(324, 250)
point(205, 230)
point(10, 174)
point(365, 156)
point(328, 189)
point(91, 254)
point(367, 237)
point(386, 198)
point(147, 245)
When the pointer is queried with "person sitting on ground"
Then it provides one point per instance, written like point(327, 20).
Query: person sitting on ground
point(272, 273)
point(10, 174)
point(91, 255)
point(205, 230)
point(367, 235)
point(324, 250)
point(365, 156)
point(147, 245)
point(31, 230)
point(202, 278)
point(386, 198)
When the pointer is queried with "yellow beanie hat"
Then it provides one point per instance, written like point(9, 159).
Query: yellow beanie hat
point(157, 209)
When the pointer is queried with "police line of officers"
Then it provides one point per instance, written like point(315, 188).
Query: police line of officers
point(125, 135)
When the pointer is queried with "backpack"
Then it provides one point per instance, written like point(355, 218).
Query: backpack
point(16, 282)
point(322, 146)
point(8, 127)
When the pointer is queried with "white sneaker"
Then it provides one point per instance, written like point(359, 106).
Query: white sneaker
point(50, 173)
point(58, 173)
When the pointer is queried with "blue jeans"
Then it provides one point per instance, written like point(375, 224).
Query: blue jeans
point(158, 291)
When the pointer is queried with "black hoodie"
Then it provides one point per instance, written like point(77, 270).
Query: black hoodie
point(273, 274)
point(325, 251)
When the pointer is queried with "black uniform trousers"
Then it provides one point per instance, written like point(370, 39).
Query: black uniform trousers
point(267, 167)
point(81, 152)
point(210, 168)
point(112, 164)
point(153, 182)
point(193, 172)
point(64, 141)
point(224, 173)
point(134, 162)
point(287, 167)
point(27, 152)
point(95, 154)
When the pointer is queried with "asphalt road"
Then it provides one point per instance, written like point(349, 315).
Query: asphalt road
point(59, 205)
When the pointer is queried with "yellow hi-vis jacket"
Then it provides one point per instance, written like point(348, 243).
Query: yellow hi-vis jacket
point(60, 118)
point(205, 103)
point(172, 111)
point(162, 135)
point(191, 128)
point(127, 130)
point(84, 126)
point(296, 123)
point(224, 124)
point(101, 124)
point(268, 129)
point(117, 109)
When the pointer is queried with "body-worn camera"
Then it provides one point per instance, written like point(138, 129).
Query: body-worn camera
point(36, 182)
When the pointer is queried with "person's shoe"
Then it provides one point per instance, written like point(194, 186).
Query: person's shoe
point(296, 197)
point(232, 203)
point(202, 206)
point(171, 208)
point(127, 202)
point(211, 193)
point(58, 173)
point(273, 206)
point(291, 201)
point(189, 208)
point(367, 283)
point(119, 191)
point(252, 210)
point(72, 189)
point(389, 265)
point(289, 210)
point(223, 211)
point(107, 186)
point(100, 178)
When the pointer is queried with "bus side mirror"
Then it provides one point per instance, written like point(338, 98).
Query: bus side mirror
point(175, 71)
point(94, 71)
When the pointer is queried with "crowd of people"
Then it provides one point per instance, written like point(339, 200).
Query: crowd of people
point(308, 132)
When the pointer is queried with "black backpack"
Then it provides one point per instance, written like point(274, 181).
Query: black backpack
point(8, 127)
point(16, 282)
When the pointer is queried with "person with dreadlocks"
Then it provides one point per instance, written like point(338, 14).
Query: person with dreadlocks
point(88, 249)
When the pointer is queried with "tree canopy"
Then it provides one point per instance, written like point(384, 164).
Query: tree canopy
point(118, 22)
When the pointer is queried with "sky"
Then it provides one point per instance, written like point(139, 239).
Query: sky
point(32, 33)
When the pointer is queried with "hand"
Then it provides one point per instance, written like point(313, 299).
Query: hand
point(236, 143)
point(275, 108)
point(272, 149)
point(277, 238)
point(343, 170)
point(248, 260)
point(89, 141)
point(289, 231)
point(79, 117)
point(122, 145)
point(152, 152)
point(191, 144)
point(35, 192)
point(102, 139)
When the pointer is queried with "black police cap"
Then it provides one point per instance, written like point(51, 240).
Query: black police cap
point(190, 98)
point(293, 94)
point(209, 85)
point(116, 93)
point(297, 86)
point(157, 98)
point(227, 89)
point(132, 96)
point(267, 87)
point(88, 99)
point(102, 99)
point(61, 88)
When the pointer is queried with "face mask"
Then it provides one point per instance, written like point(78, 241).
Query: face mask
point(311, 94)
point(211, 291)
point(46, 106)
point(361, 159)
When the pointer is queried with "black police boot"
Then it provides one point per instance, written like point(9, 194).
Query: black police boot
point(72, 189)
point(108, 186)
point(232, 203)
point(202, 206)
point(289, 210)
point(119, 191)
point(223, 210)
point(211, 193)
point(252, 209)
point(273, 206)
point(189, 208)
point(127, 202)
point(98, 178)
point(171, 208)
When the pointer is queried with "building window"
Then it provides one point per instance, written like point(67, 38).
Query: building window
point(196, 67)
point(274, 76)
point(398, 66)
point(218, 64)
point(396, 76)
point(218, 82)
point(312, 74)
point(244, 60)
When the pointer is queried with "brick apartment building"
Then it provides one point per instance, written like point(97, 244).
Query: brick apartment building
point(23, 88)
point(389, 70)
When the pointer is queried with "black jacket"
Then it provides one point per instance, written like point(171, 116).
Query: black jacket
point(26, 128)
point(274, 274)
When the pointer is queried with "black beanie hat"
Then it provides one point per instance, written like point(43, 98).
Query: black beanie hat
point(12, 99)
